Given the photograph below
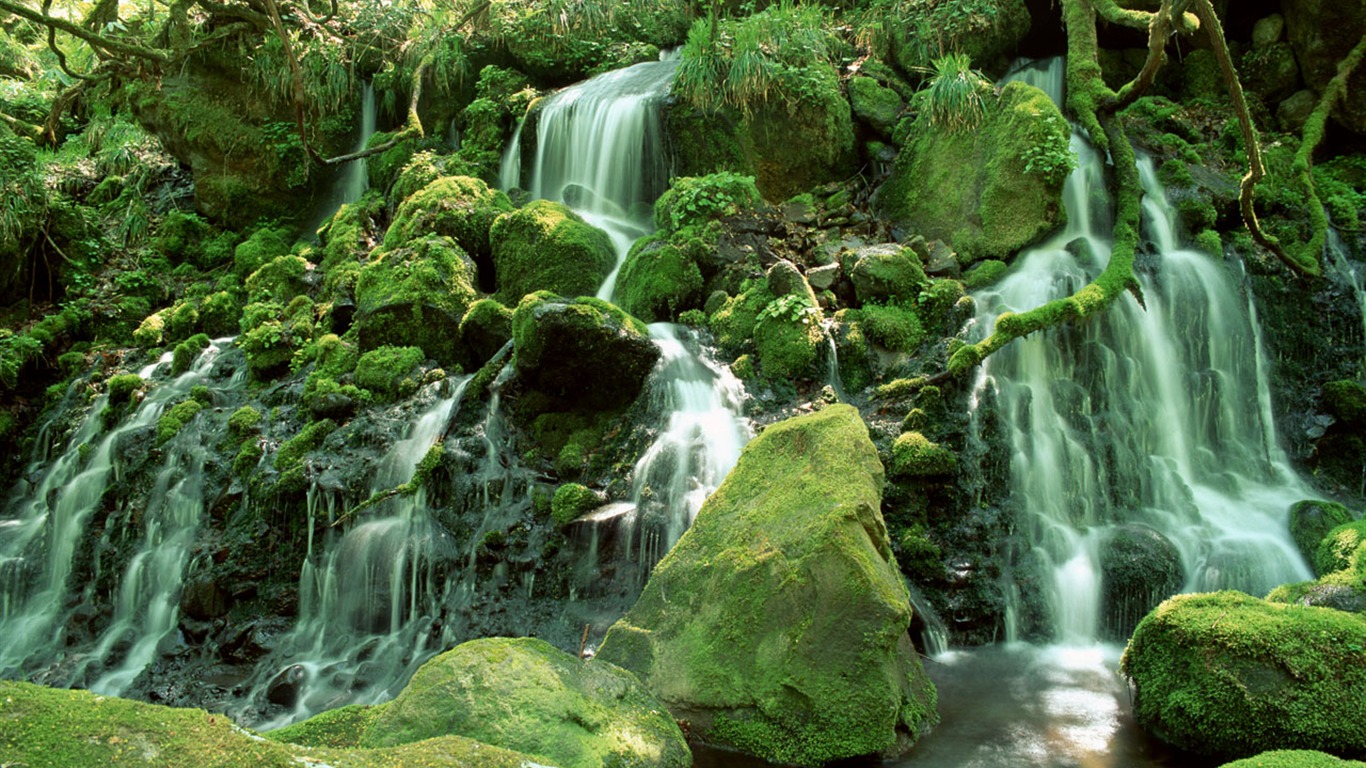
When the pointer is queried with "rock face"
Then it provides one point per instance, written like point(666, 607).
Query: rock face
point(1231, 675)
point(1322, 32)
point(975, 189)
point(526, 695)
point(778, 624)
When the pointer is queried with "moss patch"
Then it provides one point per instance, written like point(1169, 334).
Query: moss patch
point(544, 246)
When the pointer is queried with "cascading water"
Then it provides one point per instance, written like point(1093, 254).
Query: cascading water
point(1335, 253)
point(367, 604)
point(1146, 426)
point(599, 149)
point(353, 179)
point(39, 540)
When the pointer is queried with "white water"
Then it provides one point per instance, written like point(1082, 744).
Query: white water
point(367, 602)
point(1159, 417)
point(355, 179)
point(39, 539)
point(599, 149)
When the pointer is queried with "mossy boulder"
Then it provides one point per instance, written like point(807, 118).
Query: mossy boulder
point(1310, 522)
point(391, 371)
point(526, 695)
point(1346, 401)
point(691, 201)
point(572, 500)
point(485, 328)
point(988, 192)
point(734, 320)
point(544, 246)
point(279, 279)
point(888, 272)
point(876, 105)
point(789, 338)
point(581, 353)
point(459, 207)
point(778, 623)
point(914, 455)
point(1230, 675)
point(54, 728)
point(1340, 548)
point(256, 251)
point(415, 295)
point(659, 280)
point(1293, 758)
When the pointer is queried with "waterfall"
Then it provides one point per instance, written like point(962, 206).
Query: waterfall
point(1152, 425)
point(600, 150)
point(355, 178)
point(368, 604)
point(47, 521)
point(1337, 261)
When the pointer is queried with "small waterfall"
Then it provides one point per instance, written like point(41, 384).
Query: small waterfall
point(1139, 421)
point(38, 541)
point(355, 179)
point(1337, 261)
point(367, 605)
point(600, 150)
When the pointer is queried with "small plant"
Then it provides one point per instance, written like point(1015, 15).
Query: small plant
point(791, 308)
point(956, 93)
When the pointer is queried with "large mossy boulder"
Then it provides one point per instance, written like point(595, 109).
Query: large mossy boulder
point(459, 207)
point(415, 295)
point(989, 191)
point(658, 280)
point(1322, 33)
point(988, 31)
point(545, 246)
point(778, 623)
point(1294, 758)
point(1230, 675)
point(524, 694)
point(581, 354)
point(52, 728)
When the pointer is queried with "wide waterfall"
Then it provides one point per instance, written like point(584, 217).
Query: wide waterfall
point(1140, 442)
point(48, 522)
point(600, 150)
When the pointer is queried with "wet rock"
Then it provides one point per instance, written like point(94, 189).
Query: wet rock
point(822, 278)
point(202, 599)
point(1268, 31)
point(1293, 112)
point(283, 689)
point(1322, 33)
point(1139, 569)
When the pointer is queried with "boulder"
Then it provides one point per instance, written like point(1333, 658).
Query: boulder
point(874, 104)
point(1139, 569)
point(778, 625)
point(886, 273)
point(526, 695)
point(659, 280)
point(459, 207)
point(975, 189)
point(545, 246)
point(989, 35)
point(79, 729)
point(1230, 675)
point(415, 295)
point(1294, 758)
point(1310, 522)
point(1322, 33)
point(582, 353)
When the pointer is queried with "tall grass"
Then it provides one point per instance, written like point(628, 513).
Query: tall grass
point(956, 93)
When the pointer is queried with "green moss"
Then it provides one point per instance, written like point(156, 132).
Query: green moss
point(219, 314)
point(658, 281)
point(1230, 675)
point(52, 728)
point(893, 327)
point(346, 238)
point(1336, 550)
point(271, 335)
point(248, 456)
point(984, 191)
point(424, 168)
point(459, 207)
point(391, 371)
point(780, 619)
point(524, 694)
point(984, 273)
point(1346, 400)
point(788, 338)
point(1311, 520)
point(914, 455)
point(415, 295)
point(733, 324)
point(243, 422)
point(485, 328)
point(1292, 758)
point(256, 251)
point(186, 352)
point(875, 105)
point(572, 500)
point(692, 201)
point(383, 168)
point(179, 237)
point(888, 274)
point(279, 279)
point(175, 419)
point(341, 727)
point(544, 246)
point(122, 387)
point(150, 332)
point(293, 450)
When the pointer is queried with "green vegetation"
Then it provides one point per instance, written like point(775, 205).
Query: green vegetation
point(415, 294)
point(544, 246)
point(572, 500)
point(391, 371)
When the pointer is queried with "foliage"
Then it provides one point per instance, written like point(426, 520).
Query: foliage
point(956, 93)
point(694, 200)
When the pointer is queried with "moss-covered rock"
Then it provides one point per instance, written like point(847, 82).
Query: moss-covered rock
point(789, 338)
point(279, 279)
point(544, 246)
point(572, 500)
point(988, 192)
point(1338, 549)
point(1229, 675)
point(914, 455)
point(293, 450)
point(272, 334)
point(877, 106)
point(415, 295)
point(1346, 400)
point(459, 207)
point(733, 322)
point(659, 280)
point(778, 623)
point(342, 727)
point(582, 353)
point(526, 695)
point(52, 728)
point(1322, 33)
point(886, 273)
point(691, 201)
point(1293, 758)
point(253, 253)
point(1310, 522)
point(987, 31)
point(485, 328)
point(391, 371)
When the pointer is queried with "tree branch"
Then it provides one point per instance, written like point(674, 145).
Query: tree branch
point(98, 41)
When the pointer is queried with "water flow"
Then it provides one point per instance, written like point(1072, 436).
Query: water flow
point(355, 179)
point(599, 149)
point(1335, 253)
point(1156, 418)
point(47, 521)
point(367, 605)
